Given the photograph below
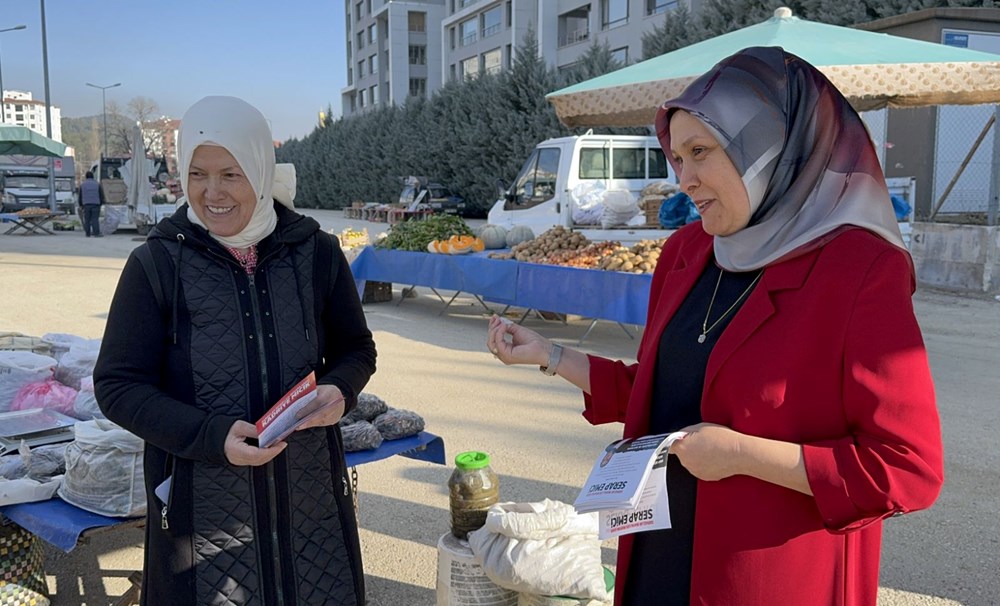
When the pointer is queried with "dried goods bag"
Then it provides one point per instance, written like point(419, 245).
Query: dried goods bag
point(104, 470)
point(588, 203)
point(60, 343)
point(395, 424)
point(368, 407)
point(544, 548)
point(360, 435)
point(17, 369)
point(619, 208)
point(49, 394)
point(85, 406)
point(77, 363)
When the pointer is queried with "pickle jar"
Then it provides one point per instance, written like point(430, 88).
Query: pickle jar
point(473, 487)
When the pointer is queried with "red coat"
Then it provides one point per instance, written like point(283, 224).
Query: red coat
point(826, 352)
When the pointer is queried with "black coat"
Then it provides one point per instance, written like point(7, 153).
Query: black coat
point(181, 361)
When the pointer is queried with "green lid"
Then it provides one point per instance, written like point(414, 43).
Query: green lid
point(472, 459)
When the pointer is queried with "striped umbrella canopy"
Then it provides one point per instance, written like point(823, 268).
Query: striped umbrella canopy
point(872, 70)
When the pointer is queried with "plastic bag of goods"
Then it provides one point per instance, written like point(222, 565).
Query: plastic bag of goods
point(104, 470)
point(395, 424)
point(85, 406)
point(587, 203)
point(360, 435)
point(368, 407)
point(62, 342)
point(48, 393)
point(619, 208)
point(544, 548)
point(77, 363)
point(17, 369)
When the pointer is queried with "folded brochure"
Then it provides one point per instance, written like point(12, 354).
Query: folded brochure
point(628, 486)
point(289, 413)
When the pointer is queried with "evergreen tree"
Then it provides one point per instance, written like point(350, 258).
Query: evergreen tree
point(597, 61)
point(837, 12)
point(679, 29)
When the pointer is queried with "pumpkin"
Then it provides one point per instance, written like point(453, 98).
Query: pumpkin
point(432, 246)
point(478, 245)
point(494, 236)
point(518, 234)
point(458, 245)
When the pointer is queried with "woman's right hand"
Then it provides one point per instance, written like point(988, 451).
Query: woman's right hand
point(239, 453)
point(525, 347)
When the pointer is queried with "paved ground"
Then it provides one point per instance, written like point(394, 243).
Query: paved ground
point(532, 427)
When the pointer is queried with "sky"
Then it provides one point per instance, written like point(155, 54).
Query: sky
point(286, 57)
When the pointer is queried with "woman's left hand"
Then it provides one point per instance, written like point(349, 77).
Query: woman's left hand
point(709, 451)
point(331, 401)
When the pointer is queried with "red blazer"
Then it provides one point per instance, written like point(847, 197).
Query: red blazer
point(826, 352)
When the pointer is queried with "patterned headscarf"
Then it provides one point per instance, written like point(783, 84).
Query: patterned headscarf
point(805, 157)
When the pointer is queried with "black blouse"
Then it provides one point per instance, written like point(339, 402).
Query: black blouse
point(660, 568)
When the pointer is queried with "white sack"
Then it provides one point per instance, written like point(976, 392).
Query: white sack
point(587, 203)
point(104, 470)
point(77, 363)
point(85, 406)
point(26, 490)
point(542, 548)
point(619, 207)
point(17, 369)
point(61, 342)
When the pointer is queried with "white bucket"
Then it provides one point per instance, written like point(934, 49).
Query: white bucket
point(462, 582)
point(531, 599)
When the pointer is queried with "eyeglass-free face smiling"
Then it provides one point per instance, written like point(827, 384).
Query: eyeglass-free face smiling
point(219, 191)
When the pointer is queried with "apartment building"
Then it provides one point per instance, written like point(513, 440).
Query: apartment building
point(19, 108)
point(392, 51)
point(411, 48)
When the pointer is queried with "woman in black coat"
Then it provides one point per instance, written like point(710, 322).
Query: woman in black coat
point(230, 303)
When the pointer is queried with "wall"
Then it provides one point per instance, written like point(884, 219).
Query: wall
point(957, 257)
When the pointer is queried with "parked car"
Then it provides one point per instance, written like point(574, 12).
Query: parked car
point(440, 198)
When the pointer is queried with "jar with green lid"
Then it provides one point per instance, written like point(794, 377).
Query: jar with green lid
point(473, 487)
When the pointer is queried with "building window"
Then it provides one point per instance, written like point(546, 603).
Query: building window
point(416, 22)
point(373, 64)
point(613, 13)
point(464, 3)
point(418, 54)
point(492, 21)
point(620, 55)
point(469, 33)
point(451, 34)
point(350, 76)
point(574, 26)
point(361, 40)
point(509, 56)
point(357, 17)
point(361, 68)
point(470, 68)
point(372, 35)
point(492, 61)
point(659, 6)
point(373, 94)
point(418, 87)
point(354, 103)
point(361, 98)
point(368, 6)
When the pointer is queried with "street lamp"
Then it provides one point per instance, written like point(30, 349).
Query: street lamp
point(3, 118)
point(104, 103)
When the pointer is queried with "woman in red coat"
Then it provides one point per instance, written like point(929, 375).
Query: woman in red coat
point(781, 336)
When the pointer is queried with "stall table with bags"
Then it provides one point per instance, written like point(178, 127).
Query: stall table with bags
point(65, 525)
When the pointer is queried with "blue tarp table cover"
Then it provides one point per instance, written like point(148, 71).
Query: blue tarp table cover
point(604, 295)
point(61, 523)
point(474, 273)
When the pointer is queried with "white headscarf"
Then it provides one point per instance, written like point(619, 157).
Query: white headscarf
point(242, 130)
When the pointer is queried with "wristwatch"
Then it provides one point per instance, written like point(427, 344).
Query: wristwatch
point(554, 356)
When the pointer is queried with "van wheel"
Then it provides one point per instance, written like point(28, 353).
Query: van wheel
point(143, 230)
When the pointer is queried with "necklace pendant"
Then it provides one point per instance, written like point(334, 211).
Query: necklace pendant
point(701, 338)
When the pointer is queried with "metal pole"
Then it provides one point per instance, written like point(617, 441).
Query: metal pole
point(48, 111)
point(3, 107)
point(104, 108)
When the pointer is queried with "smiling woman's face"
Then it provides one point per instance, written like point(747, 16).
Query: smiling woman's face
point(219, 192)
point(708, 176)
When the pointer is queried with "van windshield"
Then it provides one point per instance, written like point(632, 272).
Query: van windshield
point(27, 182)
point(537, 181)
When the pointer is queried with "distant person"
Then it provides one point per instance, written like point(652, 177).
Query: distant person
point(252, 298)
point(781, 337)
point(91, 199)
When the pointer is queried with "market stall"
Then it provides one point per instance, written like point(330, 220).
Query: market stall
point(30, 221)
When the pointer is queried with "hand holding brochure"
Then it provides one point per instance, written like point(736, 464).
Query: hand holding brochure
point(290, 412)
point(628, 486)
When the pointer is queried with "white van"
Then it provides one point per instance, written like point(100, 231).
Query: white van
point(541, 197)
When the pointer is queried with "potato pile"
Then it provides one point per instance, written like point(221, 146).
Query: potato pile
point(639, 259)
point(560, 246)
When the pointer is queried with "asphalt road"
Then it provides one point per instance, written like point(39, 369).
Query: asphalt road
point(531, 425)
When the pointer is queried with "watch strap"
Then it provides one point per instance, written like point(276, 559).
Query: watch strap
point(554, 356)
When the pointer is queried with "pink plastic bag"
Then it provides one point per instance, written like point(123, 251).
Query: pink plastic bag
point(50, 394)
